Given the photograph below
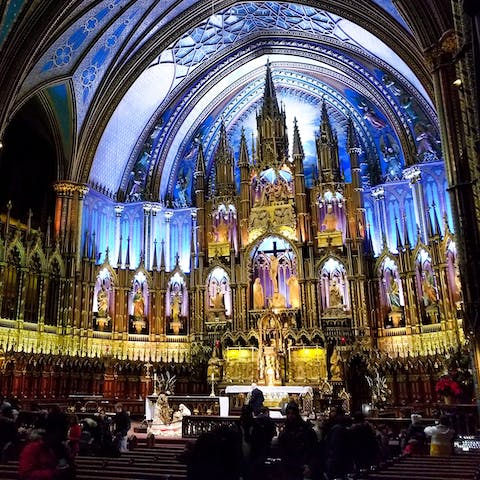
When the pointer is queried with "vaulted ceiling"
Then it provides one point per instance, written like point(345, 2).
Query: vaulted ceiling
point(132, 86)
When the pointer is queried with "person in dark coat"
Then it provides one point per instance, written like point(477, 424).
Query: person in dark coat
point(256, 399)
point(297, 444)
point(365, 448)
point(263, 431)
point(338, 452)
point(121, 426)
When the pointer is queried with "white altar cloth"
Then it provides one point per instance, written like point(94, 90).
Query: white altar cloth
point(274, 391)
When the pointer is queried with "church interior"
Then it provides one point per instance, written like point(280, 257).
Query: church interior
point(240, 191)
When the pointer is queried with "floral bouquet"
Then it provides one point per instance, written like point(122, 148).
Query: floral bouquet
point(448, 387)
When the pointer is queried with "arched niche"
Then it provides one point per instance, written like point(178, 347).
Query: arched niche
point(176, 304)
point(219, 294)
point(274, 264)
point(334, 288)
point(103, 300)
point(453, 276)
point(139, 305)
point(392, 301)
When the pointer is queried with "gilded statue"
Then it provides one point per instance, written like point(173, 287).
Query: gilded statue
point(330, 220)
point(217, 299)
point(336, 299)
point(102, 302)
point(138, 304)
point(258, 297)
point(394, 293)
point(176, 307)
point(429, 290)
point(294, 288)
point(336, 374)
point(162, 413)
point(222, 231)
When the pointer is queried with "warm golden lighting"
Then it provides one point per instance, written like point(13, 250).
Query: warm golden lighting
point(457, 83)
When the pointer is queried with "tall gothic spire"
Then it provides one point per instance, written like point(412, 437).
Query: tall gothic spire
point(272, 140)
point(224, 162)
point(327, 150)
point(270, 103)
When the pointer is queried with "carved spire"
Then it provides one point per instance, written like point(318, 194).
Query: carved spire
point(272, 140)
point(162, 255)
point(297, 150)
point(224, 162)
point(119, 259)
point(399, 237)
point(270, 103)
point(243, 161)
point(327, 150)
point(406, 237)
point(127, 257)
point(155, 263)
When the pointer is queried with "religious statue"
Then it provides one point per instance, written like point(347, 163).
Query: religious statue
point(175, 307)
point(138, 304)
point(183, 411)
point(217, 299)
point(102, 302)
point(215, 368)
point(336, 298)
point(429, 290)
point(394, 293)
point(330, 220)
point(162, 413)
point(336, 374)
point(222, 231)
point(270, 372)
point(273, 272)
point(294, 287)
point(258, 298)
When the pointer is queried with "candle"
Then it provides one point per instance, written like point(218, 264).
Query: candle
point(155, 377)
point(213, 377)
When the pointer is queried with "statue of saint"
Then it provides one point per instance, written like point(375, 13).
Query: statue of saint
point(273, 272)
point(102, 302)
point(394, 293)
point(176, 307)
point(258, 298)
point(138, 304)
point(429, 290)
point(336, 298)
point(222, 231)
point(294, 287)
point(183, 411)
point(330, 220)
point(217, 300)
point(162, 413)
point(335, 367)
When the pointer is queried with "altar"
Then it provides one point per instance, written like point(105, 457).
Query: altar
point(275, 396)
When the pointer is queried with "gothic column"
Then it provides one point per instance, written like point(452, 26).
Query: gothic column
point(461, 167)
point(147, 208)
point(414, 175)
point(378, 194)
point(118, 230)
point(168, 240)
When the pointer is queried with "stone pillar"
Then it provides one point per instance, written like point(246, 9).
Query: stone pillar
point(118, 231)
point(461, 165)
point(380, 211)
point(414, 175)
point(168, 240)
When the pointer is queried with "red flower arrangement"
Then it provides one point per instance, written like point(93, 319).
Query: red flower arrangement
point(448, 387)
